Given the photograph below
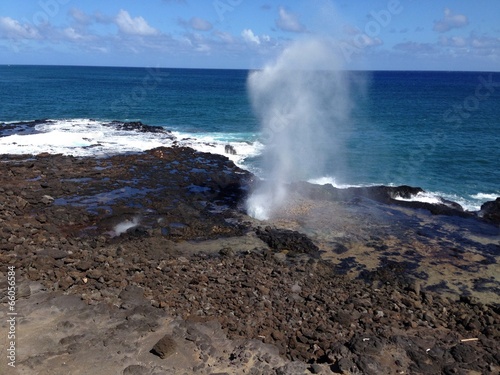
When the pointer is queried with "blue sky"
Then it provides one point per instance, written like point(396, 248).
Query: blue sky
point(371, 35)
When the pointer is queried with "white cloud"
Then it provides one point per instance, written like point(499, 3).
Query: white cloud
point(224, 36)
point(361, 39)
point(368, 41)
point(288, 21)
point(450, 21)
point(454, 41)
point(11, 28)
point(203, 48)
point(79, 16)
point(200, 24)
point(250, 37)
point(133, 26)
point(72, 34)
point(491, 44)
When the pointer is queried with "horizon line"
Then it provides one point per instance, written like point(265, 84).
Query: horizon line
point(243, 69)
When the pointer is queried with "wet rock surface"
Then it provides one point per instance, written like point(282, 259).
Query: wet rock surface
point(145, 264)
point(396, 195)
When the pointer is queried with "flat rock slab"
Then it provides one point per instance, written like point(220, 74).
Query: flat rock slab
point(62, 334)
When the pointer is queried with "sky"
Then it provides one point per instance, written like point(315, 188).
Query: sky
point(247, 34)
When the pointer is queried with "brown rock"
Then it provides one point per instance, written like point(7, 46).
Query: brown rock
point(54, 253)
point(21, 202)
point(65, 283)
point(94, 274)
point(165, 347)
point(83, 266)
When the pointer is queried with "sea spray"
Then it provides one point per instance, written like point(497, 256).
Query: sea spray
point(124, 226)
point(303, 104)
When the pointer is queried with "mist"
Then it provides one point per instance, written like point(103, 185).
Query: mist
point(302, 101)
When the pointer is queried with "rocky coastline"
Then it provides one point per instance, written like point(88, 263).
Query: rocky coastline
point(147, 264)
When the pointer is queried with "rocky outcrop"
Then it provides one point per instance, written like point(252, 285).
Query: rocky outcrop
point(490, 211)
point(381, 194)
point(138, 127)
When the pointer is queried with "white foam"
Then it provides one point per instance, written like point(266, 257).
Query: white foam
point(81, 137)
point(86, 137)
point(216, 143)
point(425, 197)
point(472, 203)
point(328, 180)
point(441, 198)
point(485, 196)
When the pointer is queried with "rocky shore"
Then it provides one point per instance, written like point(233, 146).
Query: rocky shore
point(146, 264)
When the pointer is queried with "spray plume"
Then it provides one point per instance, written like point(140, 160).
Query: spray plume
point(302, 102)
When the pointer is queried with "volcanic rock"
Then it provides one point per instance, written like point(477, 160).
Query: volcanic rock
point(165, 347)
point(237, 296)
point(283, 239)
point(491, 211)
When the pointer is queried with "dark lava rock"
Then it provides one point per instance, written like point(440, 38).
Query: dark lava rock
point(363, 345)
point(164, 347)
point(464, 353)
point(24, 127)
point(491, 211)
point(382, 194)
point(339, 248)
point(139, 127)
point(284, 239)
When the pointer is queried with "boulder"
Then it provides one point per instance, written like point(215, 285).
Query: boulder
point(164, 347)
point(490, 211)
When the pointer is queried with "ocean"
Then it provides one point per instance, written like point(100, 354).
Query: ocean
point(436, 130)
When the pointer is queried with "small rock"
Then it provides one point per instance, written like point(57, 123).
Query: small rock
point(164, 347)
point(317, 369)
point(83, 266)
point(21, 202)
point(47, 199)
point(347, 366)
point(278, 336)
point(296, 288)
point(227, 252)
point(65, 283)
point(94, 274)
point(41, 219)
point(416, 287)
point(54, 253)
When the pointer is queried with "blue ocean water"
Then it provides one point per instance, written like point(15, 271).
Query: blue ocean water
point(436, 130)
